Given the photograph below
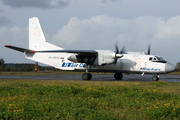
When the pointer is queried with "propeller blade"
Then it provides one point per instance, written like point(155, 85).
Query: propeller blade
point(149, 49)
point(116, 47)
point(122, 50)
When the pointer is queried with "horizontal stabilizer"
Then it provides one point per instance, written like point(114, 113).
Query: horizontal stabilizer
point(19, 49)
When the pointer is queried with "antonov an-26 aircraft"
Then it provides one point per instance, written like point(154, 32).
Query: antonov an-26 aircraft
point(91, 60)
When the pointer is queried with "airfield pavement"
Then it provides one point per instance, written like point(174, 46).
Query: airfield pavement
point(95, 77)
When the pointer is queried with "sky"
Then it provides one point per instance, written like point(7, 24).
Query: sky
point(93, 24)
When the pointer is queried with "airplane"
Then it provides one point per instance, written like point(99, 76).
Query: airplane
point(117, 62)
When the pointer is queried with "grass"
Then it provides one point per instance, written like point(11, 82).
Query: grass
point(107, 100)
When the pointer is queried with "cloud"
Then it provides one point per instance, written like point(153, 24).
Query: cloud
point(105, 29)
point(13, 36)
point(44, 4)
point(102, 32)
point(105, 1)
point(4, 21)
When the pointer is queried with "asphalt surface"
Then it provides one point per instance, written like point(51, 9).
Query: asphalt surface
point(95, 77)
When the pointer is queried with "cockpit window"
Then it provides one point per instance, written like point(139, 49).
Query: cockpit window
point(156, 59)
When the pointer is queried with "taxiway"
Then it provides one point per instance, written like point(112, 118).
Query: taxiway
point(96, 77)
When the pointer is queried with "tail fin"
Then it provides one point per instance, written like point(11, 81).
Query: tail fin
point(37, 40)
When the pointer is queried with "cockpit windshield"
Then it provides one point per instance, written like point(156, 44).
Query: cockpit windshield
point(156, 58)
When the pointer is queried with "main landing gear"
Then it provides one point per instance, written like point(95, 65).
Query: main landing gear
point(118, 76)
point(87, 75)
point(155, 78)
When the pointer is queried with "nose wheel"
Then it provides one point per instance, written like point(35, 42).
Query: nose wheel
point(155, 78)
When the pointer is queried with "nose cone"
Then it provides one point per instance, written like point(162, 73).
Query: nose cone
point(169, 67)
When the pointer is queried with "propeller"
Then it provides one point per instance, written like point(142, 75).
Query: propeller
point(149, 49)
point(119, 54)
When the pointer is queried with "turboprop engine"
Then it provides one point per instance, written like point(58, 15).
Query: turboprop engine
point(103, 57)
point(106, 57)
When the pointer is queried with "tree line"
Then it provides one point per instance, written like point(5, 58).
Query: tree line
point(13, 67)
point(2, 65)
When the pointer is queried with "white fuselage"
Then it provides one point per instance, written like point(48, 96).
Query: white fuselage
point(129, 63)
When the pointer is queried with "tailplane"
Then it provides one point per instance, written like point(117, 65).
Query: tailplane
point(37, 39)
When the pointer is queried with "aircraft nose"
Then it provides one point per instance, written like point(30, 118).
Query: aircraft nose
point(169, 67)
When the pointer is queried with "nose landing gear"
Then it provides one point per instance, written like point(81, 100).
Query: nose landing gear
point(155, 78)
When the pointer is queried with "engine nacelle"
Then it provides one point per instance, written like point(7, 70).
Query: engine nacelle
point(106, 57)
point(73, 58)
point(82, 59)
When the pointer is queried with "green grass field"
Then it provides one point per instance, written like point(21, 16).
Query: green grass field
point(98, 100)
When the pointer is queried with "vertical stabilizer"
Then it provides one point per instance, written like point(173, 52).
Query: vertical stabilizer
point(37, 40)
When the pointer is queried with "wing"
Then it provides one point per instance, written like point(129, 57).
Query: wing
point(79, 52)
point(19, 49)
point(81, 56)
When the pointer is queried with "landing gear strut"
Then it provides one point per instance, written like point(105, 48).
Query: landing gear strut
point(155, 78)
point(87, 75)
point(118, 76)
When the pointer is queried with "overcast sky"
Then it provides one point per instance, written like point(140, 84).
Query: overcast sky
point(93, 24)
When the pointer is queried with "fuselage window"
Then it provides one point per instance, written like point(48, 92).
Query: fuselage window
point(150, 58)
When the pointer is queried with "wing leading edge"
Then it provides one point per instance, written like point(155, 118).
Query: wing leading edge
point(19, 49)
point(79, 52)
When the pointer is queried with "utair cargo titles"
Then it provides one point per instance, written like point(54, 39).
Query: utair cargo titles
point(150, 69)
point(80, 65)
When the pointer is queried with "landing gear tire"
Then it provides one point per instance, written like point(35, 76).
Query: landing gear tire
point(118, 76)
point(86, 76)
point(155, 78)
